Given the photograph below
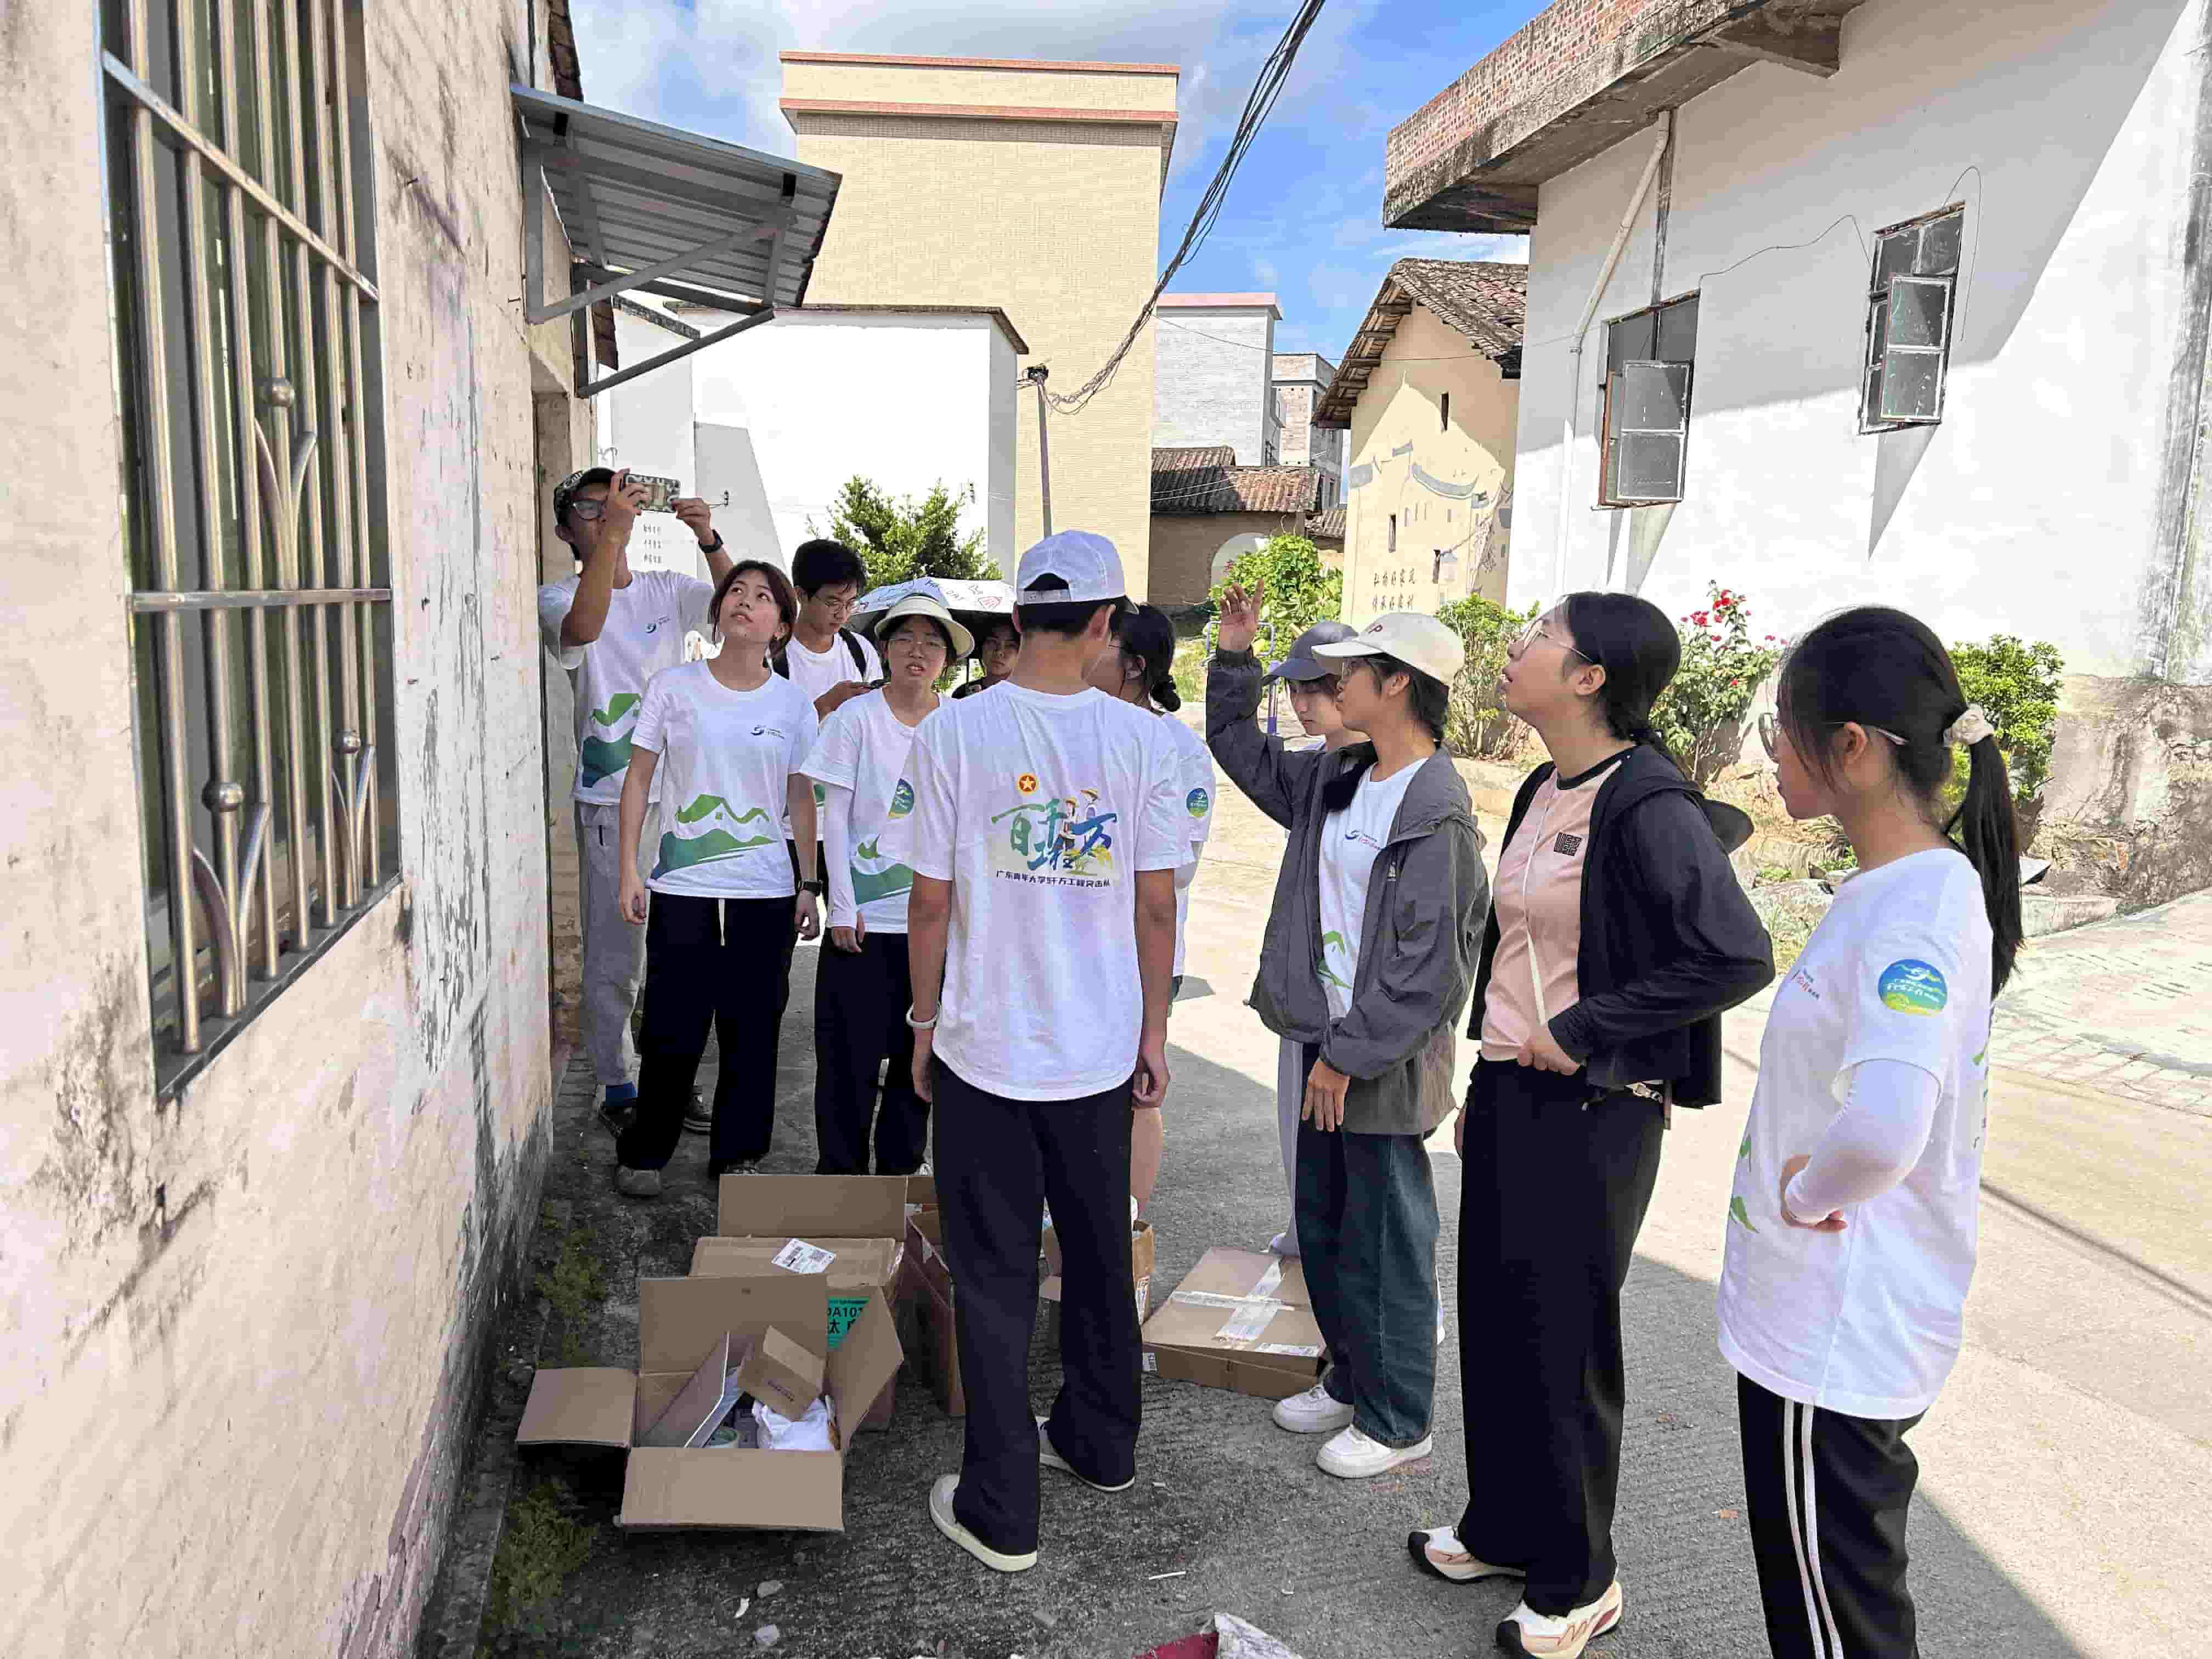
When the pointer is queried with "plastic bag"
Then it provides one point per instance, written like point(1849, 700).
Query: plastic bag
point(807, 1433)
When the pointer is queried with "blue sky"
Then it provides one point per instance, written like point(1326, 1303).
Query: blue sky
point(1304, 217)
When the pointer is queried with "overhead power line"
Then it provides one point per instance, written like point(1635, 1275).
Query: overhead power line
point(1266, 89)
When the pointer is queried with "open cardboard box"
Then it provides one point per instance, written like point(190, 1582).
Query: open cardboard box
point(860, 1220)
point(1241, 1320)
point(681, 1322)
point(926, 1287)
point(1144, 1252)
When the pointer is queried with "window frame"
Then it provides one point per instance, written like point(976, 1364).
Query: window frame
point(1880, 352)
point(1623, 364)
point(236, 149)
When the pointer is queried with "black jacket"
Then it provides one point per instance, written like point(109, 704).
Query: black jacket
point(1669, 941)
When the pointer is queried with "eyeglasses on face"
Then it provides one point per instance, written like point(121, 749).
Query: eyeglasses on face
point(1534, 632)
point(588, 512)
point(1771, 734)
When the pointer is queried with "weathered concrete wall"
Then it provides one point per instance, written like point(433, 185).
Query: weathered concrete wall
point(1398, 426)
point(242, 1323)
point(2130, 790)
point(1187, 549)
point(1211, 375)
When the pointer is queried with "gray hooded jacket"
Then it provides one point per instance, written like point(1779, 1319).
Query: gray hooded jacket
point(1420, 938)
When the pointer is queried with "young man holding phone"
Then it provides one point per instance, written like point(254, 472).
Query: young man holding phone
point(829, 661)
point(613, 628)
point(1043, 824)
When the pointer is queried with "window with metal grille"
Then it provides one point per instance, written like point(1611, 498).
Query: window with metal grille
point(248, 364)
point(1649, 356)
point(1908, 334)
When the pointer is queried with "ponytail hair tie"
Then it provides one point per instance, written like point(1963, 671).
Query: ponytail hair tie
point(1969, 729)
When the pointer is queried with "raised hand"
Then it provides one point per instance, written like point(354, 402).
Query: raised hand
point(1240, 617)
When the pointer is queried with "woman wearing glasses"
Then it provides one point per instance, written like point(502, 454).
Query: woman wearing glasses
point(1618, 936)
point(862, 989)
point(1850, 1231)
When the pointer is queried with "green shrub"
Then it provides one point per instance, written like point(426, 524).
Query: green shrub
point(2016, 684)
point(1299, 591)
point(1477, 726)
point(1699, 714)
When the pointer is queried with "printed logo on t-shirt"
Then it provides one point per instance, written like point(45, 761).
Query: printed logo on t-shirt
point(1356, 834)
point(768, 732)
point(1908, 986)
point(1197, 803)
point(1568, 844)
point(656, 622)
point(901, 800)
point(1027, 783)
point(1803, 981)
point(1060, 841)
point(1332, 950)
point(726, 834)
point(600, 756)
point(875, 876)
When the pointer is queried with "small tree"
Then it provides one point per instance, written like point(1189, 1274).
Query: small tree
point(1477, 725)
point(899, 538)
point(1699, 714)
point(2016, 684)
point(1300, 593)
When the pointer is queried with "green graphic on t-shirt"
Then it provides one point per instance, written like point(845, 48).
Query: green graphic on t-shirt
point(1331, 942)
point(1741, 1216)
point(599, 757)
point(682, 852)
point(875, 876)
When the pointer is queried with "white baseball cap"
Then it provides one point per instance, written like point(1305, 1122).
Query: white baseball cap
point(1418, 641)
point(1086, 562)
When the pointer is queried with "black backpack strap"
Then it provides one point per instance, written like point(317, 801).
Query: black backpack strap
point(859, 651)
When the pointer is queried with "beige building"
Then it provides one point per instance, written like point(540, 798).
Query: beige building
point(1030, 187)
point(1208, 512)
point(1430, 392)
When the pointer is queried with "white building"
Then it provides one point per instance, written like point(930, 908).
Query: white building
point(769, 425)
point(2039, 469)
point(1213, 364)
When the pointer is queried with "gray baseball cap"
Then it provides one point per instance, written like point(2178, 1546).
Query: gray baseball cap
point(1302, 664)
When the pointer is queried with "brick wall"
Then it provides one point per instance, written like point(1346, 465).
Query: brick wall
point(1184, 548)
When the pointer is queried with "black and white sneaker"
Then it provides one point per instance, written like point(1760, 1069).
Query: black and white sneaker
point(1438, 1552)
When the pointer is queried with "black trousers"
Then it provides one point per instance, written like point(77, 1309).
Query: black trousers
point(999, 1162)
point(860, 1003)
point(723, 961)
point(1827, 1495)
point(1553, 1194)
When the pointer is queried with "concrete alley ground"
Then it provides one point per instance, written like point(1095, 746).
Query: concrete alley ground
point(2065, 1469)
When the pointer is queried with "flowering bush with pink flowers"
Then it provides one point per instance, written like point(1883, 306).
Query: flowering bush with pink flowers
point(1700, 715)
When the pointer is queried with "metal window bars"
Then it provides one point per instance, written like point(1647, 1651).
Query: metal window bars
point(245, 326)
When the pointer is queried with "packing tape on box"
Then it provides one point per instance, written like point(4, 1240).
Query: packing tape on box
point(1249, 1315)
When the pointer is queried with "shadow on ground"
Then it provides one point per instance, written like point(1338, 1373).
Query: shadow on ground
point(1226, 1504)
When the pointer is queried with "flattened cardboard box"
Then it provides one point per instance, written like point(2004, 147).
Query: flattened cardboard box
point(1241, 1320)
point(681, 1322)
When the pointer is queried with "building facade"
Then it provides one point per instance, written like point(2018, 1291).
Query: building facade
point(276, 1092)
point(769, 425)
point(1208, 512)
point(1301, 380)
point(1883, 327)
point(1211, 354)
point(1030, 187)
point(1427, 400)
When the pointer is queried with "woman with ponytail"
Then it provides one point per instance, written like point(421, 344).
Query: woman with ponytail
point(1618, 938)
point(1142, 671)
point(1365, 965)
point(1851, 1233)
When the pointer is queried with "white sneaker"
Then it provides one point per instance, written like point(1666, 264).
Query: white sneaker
point(1284, 1243)
point(1313, 1411)
point(1351, 1456)
point(1438, 1552)
point(1541, 1636)
point(1050, 1457)
point(941, 1512)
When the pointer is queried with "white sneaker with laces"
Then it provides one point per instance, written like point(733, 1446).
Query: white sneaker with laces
point(1542, 1636)
point(1351, 1456)
point(1313, 1411)
point(1050, 1456)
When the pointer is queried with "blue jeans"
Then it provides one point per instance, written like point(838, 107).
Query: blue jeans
point(1367, 1231)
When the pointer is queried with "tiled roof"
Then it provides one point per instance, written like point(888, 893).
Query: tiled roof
point(1485, 301)
point(1206, 479)
point(1328, 525)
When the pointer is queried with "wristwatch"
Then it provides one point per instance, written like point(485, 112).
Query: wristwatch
point(714, 546)
point(815, 886)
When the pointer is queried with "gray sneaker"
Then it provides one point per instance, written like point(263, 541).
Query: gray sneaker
point(638, 1183)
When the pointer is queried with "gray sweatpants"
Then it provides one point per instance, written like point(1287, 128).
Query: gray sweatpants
point(1290, 1103)
point(614, 949)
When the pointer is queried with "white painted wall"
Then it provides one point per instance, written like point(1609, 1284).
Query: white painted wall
point(1213, 379)
point(2065, 128)
point(646, 424)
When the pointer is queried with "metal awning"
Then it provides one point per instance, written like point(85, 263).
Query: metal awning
point(642, 203)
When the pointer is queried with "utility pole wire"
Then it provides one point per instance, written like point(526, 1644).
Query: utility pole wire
point(1266, 89)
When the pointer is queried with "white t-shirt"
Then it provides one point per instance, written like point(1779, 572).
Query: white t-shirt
point(816, 672)
point(1866, 1321)
point(1040, 810)
point(863, 747)
point(1350, 840)
point(1198, 787)
point(644, 634)
point(726, 757)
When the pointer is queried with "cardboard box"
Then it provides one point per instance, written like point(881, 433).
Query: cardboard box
point(926, 1285)
point(689, 1326)
point(779, 1373)
point(1143, 1257)
point(860, 1220)
point(1241, 1320)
